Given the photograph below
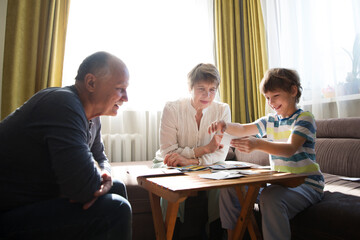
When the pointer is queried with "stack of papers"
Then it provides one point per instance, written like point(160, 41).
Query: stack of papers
point(153, 172)
point(227, 174)
point(221, 175)
point(229, 166)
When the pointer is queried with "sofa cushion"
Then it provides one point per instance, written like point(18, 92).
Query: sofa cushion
point(128, 171)
point(338, 128)
point(338, 156)
point(143, 227)
point(337, 216)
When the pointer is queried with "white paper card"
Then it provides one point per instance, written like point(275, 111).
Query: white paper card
point(221, 175)
point(227, 139)
point(353, 179)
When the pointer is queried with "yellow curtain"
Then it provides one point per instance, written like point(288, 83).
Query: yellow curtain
point(241, 56)
point(34, 49)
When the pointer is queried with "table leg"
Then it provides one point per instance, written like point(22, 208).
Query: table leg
point(157, 216)
point(246, 218)
point(171, 215)
point(164, 229)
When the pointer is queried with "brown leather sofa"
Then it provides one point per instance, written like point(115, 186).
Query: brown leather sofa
point(337, 216)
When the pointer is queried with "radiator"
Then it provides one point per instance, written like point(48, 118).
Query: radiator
point(124, 147)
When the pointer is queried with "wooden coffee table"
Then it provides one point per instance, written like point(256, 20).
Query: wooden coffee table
point(177, 188)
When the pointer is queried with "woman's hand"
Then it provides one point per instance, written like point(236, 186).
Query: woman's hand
point(214, 144)
point(218, 126)
point(245, 144)
point(175, 159)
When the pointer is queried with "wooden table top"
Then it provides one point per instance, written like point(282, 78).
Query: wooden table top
point(174, 187)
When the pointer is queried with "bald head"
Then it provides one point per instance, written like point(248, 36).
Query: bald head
point(100, 64)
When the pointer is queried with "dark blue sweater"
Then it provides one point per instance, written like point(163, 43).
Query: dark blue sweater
point(47, 150)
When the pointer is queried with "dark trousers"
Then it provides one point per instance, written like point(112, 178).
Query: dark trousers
point(108, 218)
point(195, 220)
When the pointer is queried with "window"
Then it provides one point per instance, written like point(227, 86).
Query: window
point(317, 39)
point(160, 41)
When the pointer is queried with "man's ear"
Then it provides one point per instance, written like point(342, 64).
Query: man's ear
point(89, 81)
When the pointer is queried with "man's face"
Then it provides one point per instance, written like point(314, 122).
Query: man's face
point(110, 91)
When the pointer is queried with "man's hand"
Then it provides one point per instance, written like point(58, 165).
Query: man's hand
point(219, 126)
point(245, 144)
point(105, 186)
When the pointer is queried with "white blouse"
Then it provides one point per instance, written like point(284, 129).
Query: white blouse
point(179, 131)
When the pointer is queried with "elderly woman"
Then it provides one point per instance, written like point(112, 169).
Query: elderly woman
point(184, 139)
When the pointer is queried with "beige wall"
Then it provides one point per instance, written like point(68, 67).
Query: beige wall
point(3, 7)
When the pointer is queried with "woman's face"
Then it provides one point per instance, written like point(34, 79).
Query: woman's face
point(202, 94)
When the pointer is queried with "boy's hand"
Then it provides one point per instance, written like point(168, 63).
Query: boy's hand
point(219, 126)
point(245, 144)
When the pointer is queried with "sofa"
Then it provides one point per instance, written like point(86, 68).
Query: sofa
point(337, 216)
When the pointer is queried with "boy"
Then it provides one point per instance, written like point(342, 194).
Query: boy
point(291, 148)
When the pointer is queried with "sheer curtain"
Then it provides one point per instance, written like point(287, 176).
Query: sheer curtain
point(160, 41)
point(317, 38)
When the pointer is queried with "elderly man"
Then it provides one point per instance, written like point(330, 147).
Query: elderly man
point(55, 179)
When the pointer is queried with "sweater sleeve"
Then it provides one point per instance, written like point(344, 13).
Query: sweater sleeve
point(97, 146)
point(64, 131)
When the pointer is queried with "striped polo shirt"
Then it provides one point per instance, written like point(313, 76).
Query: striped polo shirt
point(304, 160)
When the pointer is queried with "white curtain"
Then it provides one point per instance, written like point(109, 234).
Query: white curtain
point(316, 38)
point(144, 123)
point(160, 41)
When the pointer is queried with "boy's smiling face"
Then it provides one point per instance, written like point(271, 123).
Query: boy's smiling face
point(283, 102)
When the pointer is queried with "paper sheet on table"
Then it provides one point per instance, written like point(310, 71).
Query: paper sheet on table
point(236, 171)
point(221, 175)
point(247, 172)
point(227, 166)
point(353, 179)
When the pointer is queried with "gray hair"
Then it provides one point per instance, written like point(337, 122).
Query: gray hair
point(203, 72)
point(97, 64)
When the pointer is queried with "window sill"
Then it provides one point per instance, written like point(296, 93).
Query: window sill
point(334, 99)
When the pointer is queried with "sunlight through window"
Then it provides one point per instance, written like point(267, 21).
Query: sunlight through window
point(160, 41)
